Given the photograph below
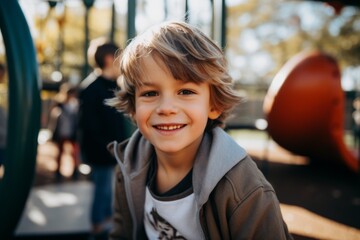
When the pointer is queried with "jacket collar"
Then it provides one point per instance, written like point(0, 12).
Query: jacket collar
point(217, 154)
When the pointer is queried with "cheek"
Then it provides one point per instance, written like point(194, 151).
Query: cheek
point(200, 112)
point(139, 120)
point(141, 115)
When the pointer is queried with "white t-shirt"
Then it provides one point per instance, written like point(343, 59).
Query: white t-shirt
point(175, 219)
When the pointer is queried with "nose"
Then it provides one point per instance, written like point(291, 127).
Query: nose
point(167, 105)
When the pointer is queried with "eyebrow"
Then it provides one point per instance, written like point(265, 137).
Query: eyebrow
point(147, 83)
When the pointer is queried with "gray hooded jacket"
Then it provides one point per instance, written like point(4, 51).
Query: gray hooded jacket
point(234, 199)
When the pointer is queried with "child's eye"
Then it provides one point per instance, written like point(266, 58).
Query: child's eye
point(149, 94)
point(186, 92)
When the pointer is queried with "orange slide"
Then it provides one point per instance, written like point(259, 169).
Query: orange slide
point(304, 107)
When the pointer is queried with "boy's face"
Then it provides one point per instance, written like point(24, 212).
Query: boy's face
point(172, 114)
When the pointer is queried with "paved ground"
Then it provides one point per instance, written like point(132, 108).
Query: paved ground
point(55, 209)
point(317, 202)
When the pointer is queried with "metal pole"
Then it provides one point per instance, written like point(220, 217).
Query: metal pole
point(113, 22)
point(88, 4)
point(24, 116)
point(219, 22)
point(131, 31)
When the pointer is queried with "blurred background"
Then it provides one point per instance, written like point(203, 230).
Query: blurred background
point(258, 38)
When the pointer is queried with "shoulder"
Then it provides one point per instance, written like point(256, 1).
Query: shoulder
point(88, 80)
point(94, 84)
point(244, 180)
point(248, 173)
point(93, 89)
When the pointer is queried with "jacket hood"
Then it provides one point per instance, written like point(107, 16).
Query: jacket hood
point(132, 154)
point(217, 155)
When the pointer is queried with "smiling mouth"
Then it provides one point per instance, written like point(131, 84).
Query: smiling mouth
point(169, 127)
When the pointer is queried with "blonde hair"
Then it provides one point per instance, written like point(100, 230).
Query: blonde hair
point(188, 54)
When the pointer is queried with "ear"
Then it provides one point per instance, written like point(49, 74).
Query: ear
point(109, 60)
point(133, 117)
point(214, 113)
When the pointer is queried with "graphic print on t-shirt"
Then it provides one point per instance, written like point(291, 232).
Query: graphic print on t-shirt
point(165, 229)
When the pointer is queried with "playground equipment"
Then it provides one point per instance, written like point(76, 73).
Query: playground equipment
point(304, 107)
point(24, 116)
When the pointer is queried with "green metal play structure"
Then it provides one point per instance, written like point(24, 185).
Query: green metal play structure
point(24, 115)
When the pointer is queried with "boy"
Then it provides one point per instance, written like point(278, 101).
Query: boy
point(180, 175)
point(98, 126)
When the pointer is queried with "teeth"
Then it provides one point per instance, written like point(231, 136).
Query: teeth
point(172, 127)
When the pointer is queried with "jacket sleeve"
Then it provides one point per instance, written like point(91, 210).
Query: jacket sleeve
point(244, 206)
point(122, 222)
point(259, 217)
point(255, 209)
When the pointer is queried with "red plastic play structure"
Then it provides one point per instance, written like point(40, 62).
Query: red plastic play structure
point(304, 107)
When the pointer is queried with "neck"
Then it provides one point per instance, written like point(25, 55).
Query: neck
point(108, 74)
point(171, 164)
point(169, 175)
point(173, 167)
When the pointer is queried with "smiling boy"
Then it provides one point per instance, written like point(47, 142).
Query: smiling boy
point(180, 175)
